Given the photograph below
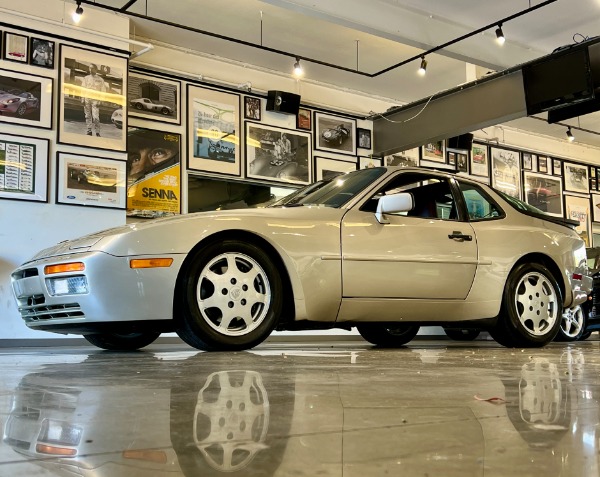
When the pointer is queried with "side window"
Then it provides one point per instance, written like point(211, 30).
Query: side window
point(479, 206)
point(432, 195)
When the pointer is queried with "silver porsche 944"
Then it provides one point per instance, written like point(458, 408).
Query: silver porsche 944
point(384, 250)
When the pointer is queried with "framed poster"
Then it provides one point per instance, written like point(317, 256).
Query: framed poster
point(506, 171)
point(252, 108)
point(408, 158)
point(576, 178)
point(23, 168)
point(544, 192)
point(278, 154)
point(369, 162)
point(26, 99)
point(153, 173)
point(41, 53)
point(92, 99)
point(542, 164)
point(335, 134)
point(363, 138)
point(16, 47)
point(303, 119)
point(596, 207)
point(556, 167)
point(527, 161)
point(213, 131)
point(154, 98)
point(434, 151)
point(327, 168)
point(479, 160)
point(90, 180)
point(578, 208)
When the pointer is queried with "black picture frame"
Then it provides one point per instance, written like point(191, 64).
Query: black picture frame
point(527, 161)
point(462, 162)
point(335, 134)
point(556, 167)
point(543, 164)
point(18, 45)
point(304, 119)
point(363, 138)
point(252, 108)
point(42, 52)
point(153, 98)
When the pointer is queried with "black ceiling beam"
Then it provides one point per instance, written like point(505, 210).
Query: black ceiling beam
point(127, 5)
point(305, 58)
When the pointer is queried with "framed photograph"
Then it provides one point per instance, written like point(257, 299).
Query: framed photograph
point(452, 158)
point(154, 98)
point(544, 192)
point(90, 180)
point(527, 161)
point(335, 134)
point(556, 167)
point(595, 207)
point(41, 53)
point(23, 168)
point(506, 171)
point(278, 154)
point(593, 183)
point(578, 208)
point(480, 164)
point(213, 131)
point(363, 138)
point(16, 47)
point(27, 99)
point(434, 151)
point(462, 164)
point(408, 158)
point(92, 99)
point(542, 164)
point(153, 173)
point(252, 108)
point(369, 162)
point(327, 168)
point(303, 120)
point(576, 178)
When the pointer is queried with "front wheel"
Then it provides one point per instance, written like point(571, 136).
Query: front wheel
point(530, 315)
point(231, 298)
point(572, 325)
point(388, 335)
point(122, 341)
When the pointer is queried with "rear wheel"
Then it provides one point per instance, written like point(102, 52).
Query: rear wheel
point(572, 325)
point(388, 335)
point(232, 297)
point(462, 334)
point(121, 341)
point(530, 315)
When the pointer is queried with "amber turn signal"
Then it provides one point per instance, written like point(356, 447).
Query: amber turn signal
point(64, 267)
point(150, 262)
point(53, 450)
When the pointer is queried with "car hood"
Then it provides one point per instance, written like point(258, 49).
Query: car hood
point(178, 234)
point(7, 96)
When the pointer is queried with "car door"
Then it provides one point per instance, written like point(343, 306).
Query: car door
point(426, 253)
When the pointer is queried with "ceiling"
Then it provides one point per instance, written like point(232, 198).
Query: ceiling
point(374, 35)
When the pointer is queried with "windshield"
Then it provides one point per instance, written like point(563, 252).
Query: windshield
point(333, 192)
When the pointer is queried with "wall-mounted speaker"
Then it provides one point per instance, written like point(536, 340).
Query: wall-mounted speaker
point(464, 141)
point(283, 102)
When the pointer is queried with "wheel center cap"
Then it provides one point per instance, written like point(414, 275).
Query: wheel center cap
point(235, 293)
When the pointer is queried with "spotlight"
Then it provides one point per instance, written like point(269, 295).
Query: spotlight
point(298, 70)
point(423, 68)
point(500, 35)
point(570, 136)
point(77, 13)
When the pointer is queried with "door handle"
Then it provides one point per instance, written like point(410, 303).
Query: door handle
point(457, 235)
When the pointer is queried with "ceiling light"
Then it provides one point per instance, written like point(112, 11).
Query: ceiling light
point(77, 13)
point(423, 67)
point(570, 136)
point(500, 35)
point(298, 70)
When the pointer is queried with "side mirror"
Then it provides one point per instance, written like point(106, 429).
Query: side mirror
point(392, 204)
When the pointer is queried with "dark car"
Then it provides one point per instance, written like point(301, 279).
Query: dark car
point(591, 308)
point(336, 135)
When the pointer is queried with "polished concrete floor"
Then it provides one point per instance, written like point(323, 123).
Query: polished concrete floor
point(432, 408)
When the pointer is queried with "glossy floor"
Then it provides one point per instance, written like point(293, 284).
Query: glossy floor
point(433, 408)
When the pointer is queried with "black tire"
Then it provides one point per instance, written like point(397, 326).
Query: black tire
point(139, 106)
point(530, 314)
point(572, 325)
point(22, 110)
point(585, 336)
point(122, 341)
point(165, 111)
point(462, 334)
point(389, 335)
point(250, 287)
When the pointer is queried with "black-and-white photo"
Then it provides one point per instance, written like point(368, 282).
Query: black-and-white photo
point(408, 158)
point(506, 171)
point(154, 98)
point(364, 138)
point(462, 165)
point(41, 53)
point(25, 99)
point(576, 178)
point(335, 134)
point(279, 154)
point(252, 108)
point(92, 99)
